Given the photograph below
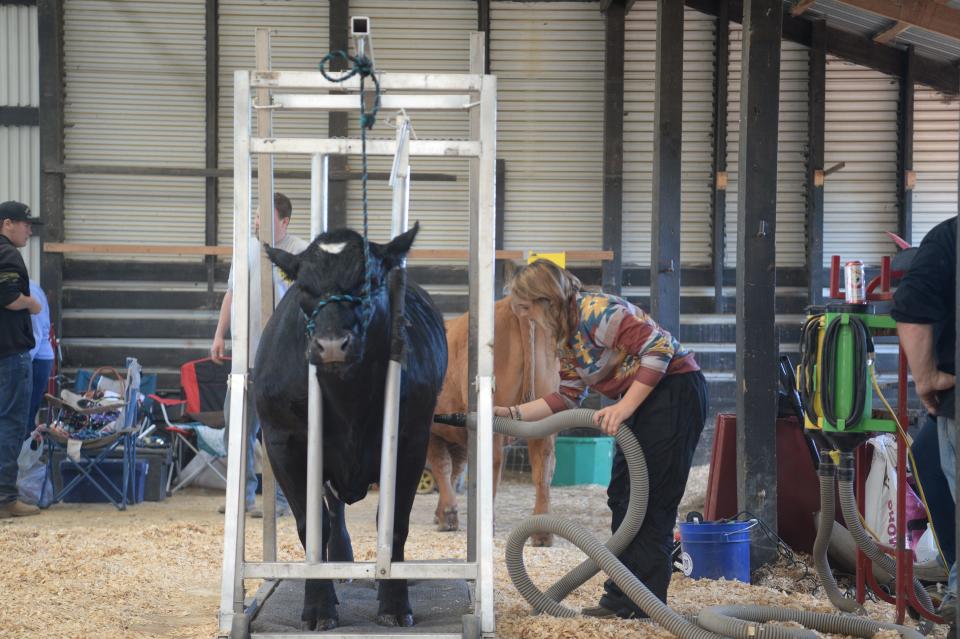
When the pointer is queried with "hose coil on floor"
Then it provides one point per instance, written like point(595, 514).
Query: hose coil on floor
point(739, 622)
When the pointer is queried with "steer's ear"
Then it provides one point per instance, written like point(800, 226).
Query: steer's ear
point(393, 252)
point(286, 262)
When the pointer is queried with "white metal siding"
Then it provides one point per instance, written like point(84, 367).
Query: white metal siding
point(19, 56)
point(935, 125)
point(639, 93)
point(421, 36)
point(299, 40)
point(20, 145)
point(20, 178)
point(860, 201)
point(791, 151)
point(548, 58)
point(134, 97)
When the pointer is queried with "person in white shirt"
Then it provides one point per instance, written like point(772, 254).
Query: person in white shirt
point(41, 354)
point(283, 211)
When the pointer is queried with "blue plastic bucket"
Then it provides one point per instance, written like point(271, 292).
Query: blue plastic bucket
point(714, 550)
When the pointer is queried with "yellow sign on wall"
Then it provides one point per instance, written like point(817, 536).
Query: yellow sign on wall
point(560, 259)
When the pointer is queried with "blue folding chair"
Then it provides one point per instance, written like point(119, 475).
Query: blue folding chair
point(77, 428)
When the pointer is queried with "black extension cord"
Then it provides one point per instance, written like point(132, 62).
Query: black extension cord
point(863, 353)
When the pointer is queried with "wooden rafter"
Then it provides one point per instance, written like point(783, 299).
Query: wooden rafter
point(925, 14)
point(801, 7)
point(892, 32)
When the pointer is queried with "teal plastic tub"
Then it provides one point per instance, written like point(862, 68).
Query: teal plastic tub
point(583, 460)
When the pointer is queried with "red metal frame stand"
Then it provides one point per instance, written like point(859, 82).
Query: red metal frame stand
point(903, 588)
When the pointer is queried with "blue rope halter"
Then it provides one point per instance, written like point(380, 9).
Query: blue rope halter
point(362, 66)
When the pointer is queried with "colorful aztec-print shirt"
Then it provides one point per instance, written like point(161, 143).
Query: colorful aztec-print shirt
point(615, 344)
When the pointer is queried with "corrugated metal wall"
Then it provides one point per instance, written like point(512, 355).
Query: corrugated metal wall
point(639, 78)
point(548, 58)
point(134, 91)
point(19, 65)
point(135, 96)
point(860, 201)
point(299, 40)
point(935, 138)
point(791, 150)
point(20, 145)
point(422, 36)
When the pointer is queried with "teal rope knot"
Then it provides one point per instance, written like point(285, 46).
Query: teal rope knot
point(312, 318)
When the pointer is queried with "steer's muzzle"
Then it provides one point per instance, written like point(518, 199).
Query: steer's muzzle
point(330, 350)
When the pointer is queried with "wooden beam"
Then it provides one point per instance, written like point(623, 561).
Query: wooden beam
point(801, 7)
point(816, 137)
point(667, 133)
point(183, 171)
point(718, 195)
point(19, 116)
point(862, 50)
point(757, 352)
point(337, 123)
point(227, 251)
point(613, 97)
point(50, 41)
point(924, 14)
point(211, 142)
point(135, 249)
point(892, 32)
point(905, 149)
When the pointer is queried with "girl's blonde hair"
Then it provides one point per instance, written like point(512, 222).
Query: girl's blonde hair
point(552, 288)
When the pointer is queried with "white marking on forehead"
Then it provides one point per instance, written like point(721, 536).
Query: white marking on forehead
point(333, 248)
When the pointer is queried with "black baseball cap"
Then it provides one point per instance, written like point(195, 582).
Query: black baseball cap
point(18, 212)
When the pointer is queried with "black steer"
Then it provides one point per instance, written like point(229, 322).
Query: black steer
point(329, 318)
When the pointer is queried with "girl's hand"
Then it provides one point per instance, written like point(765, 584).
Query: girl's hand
point(608, 419)
point(501, 411)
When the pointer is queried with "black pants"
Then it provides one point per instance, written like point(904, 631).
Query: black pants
point(668, 426)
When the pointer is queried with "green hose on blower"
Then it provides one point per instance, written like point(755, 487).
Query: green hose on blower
point(739, 622)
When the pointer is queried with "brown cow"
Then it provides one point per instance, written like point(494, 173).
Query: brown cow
point(525, 367)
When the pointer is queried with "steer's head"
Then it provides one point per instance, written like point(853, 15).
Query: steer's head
point(342, 299)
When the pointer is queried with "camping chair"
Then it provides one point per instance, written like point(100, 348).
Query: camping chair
point(203, 384)
point(89, 427)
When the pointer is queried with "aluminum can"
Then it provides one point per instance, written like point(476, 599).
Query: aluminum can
point(854, 282)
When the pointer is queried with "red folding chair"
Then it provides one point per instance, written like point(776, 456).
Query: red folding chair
point(195, 423)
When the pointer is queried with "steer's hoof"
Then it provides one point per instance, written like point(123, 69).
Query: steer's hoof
point(324, 623)
point(403, 621)
point(449, 522)
point(542, 539)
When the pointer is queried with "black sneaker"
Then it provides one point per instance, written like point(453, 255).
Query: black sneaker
point(598, 612)
point(602, 612)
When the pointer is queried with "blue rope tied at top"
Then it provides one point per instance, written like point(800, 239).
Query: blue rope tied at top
point(362, 66)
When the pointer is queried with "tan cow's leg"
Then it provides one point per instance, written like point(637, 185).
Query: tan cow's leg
point(542, 464)
point(441, 464)
point(449, 517)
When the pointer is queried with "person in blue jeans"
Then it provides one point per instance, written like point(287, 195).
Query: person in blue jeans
point(282, 212)
point(16, 341)
point(41, 355)
point(925, 309)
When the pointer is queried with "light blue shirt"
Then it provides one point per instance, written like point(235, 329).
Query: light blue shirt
point(41, 325)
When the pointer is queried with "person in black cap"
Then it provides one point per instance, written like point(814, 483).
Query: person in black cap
point(16, 340)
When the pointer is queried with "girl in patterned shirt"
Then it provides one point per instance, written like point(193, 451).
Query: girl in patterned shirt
point(607, 344)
